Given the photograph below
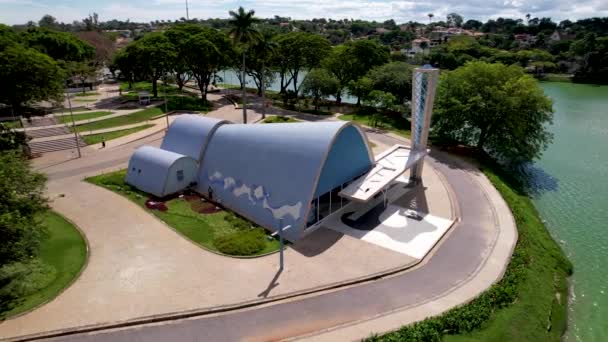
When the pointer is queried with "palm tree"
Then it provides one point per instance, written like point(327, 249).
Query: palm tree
point(431, 15)
point(243, 33)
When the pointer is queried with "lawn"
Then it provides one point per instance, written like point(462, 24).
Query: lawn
point(85, 100)
point(87, 94)
point(137, 117)
point(147, 86)
point(394, 124)
point(65, 251)
point(279, 119)
point(97, 138)
point(528, 304)
point(203, 229)
point(12, 124)
point(82, 116)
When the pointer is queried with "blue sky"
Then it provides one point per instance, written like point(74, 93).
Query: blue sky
point(20, 11)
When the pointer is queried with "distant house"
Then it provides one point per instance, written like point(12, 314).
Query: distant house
point(381, 30)
point(284, 24)
point(557, 36)
point(419, 45)
point(525, 38)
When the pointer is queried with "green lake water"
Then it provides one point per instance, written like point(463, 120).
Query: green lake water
point(572, 197)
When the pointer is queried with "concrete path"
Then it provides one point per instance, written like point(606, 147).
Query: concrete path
point(139, 267)
point(470, 259)
point(146, 268)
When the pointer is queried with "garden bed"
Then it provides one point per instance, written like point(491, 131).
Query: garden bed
point(205, 223)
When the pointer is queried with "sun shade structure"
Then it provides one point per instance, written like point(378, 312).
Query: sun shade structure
point(159, 172)
point(389, 165)
point(274, 174)
point(189, 135)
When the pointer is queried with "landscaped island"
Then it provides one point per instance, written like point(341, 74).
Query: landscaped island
point(203, 222)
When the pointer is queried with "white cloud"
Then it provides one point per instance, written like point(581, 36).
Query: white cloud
point(20, 11)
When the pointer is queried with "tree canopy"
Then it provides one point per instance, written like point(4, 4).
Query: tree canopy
point(319, 83)
point(497, 108)
point(27, 75)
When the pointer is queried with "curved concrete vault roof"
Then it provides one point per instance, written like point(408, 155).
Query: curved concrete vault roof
point(270, 173)
point(189, 135)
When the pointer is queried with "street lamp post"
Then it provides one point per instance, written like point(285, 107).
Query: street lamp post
point(74, 125)
point(165, 95)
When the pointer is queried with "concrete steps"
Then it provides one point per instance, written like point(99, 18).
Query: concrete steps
point(38, 147)
point(47, 132)
point(39, 121)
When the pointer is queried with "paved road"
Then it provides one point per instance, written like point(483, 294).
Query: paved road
point(458, 260)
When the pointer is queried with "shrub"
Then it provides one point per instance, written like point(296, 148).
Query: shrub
point(242, 242)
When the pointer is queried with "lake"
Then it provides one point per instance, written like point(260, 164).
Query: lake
point(572, 184)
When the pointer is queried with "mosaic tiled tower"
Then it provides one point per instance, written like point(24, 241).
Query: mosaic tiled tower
point(424, 84)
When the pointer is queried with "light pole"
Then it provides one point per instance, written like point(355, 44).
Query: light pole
point(165, 95)
point(187, 15)
point(73, 125)
point(281, 244)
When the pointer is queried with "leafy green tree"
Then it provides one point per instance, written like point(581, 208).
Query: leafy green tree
point(380, 100)
point(27, 75)
point(244, 34)
point(353, 60)
point(21, 199)
point(360, 88)
point(394, 78)
point(178, 35)
point(261, 55)
point(155, 53)
point(298, 51)
point(7, 37)
point(454, 20)
point(208, 52)
point(497, 108)
point(61, 46)
point(11, 140)
point(48, 22)
point(367, 54)
point(319, 83)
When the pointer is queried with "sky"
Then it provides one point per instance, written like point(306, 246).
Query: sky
point(21, 11)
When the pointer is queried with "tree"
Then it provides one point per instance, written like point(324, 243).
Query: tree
point(104, 46)
point(179, 35)
point(21, 203)
point(454, 20)
point(360, 88)
point(380, 100)
point(472, 24)
point(48, 22)
point(61, 46)
point(430, 15)
point(297, 51)
point(394, 78)
point(207, 53)
point(353, 60)
point(497, 108)
point(261, 55)
point(319, 83)
point(155, 53)
point(27, 75)
point(243, 33)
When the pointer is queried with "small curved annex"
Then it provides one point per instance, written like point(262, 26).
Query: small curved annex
point(189, 135)
point(275, 174)
point(159, 172)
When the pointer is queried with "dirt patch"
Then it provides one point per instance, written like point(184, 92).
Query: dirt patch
point(155, 205)
point(200, 204)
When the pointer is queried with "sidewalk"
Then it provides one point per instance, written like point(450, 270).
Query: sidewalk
point(140, 267)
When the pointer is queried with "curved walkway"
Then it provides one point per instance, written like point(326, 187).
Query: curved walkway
point(467, 261)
